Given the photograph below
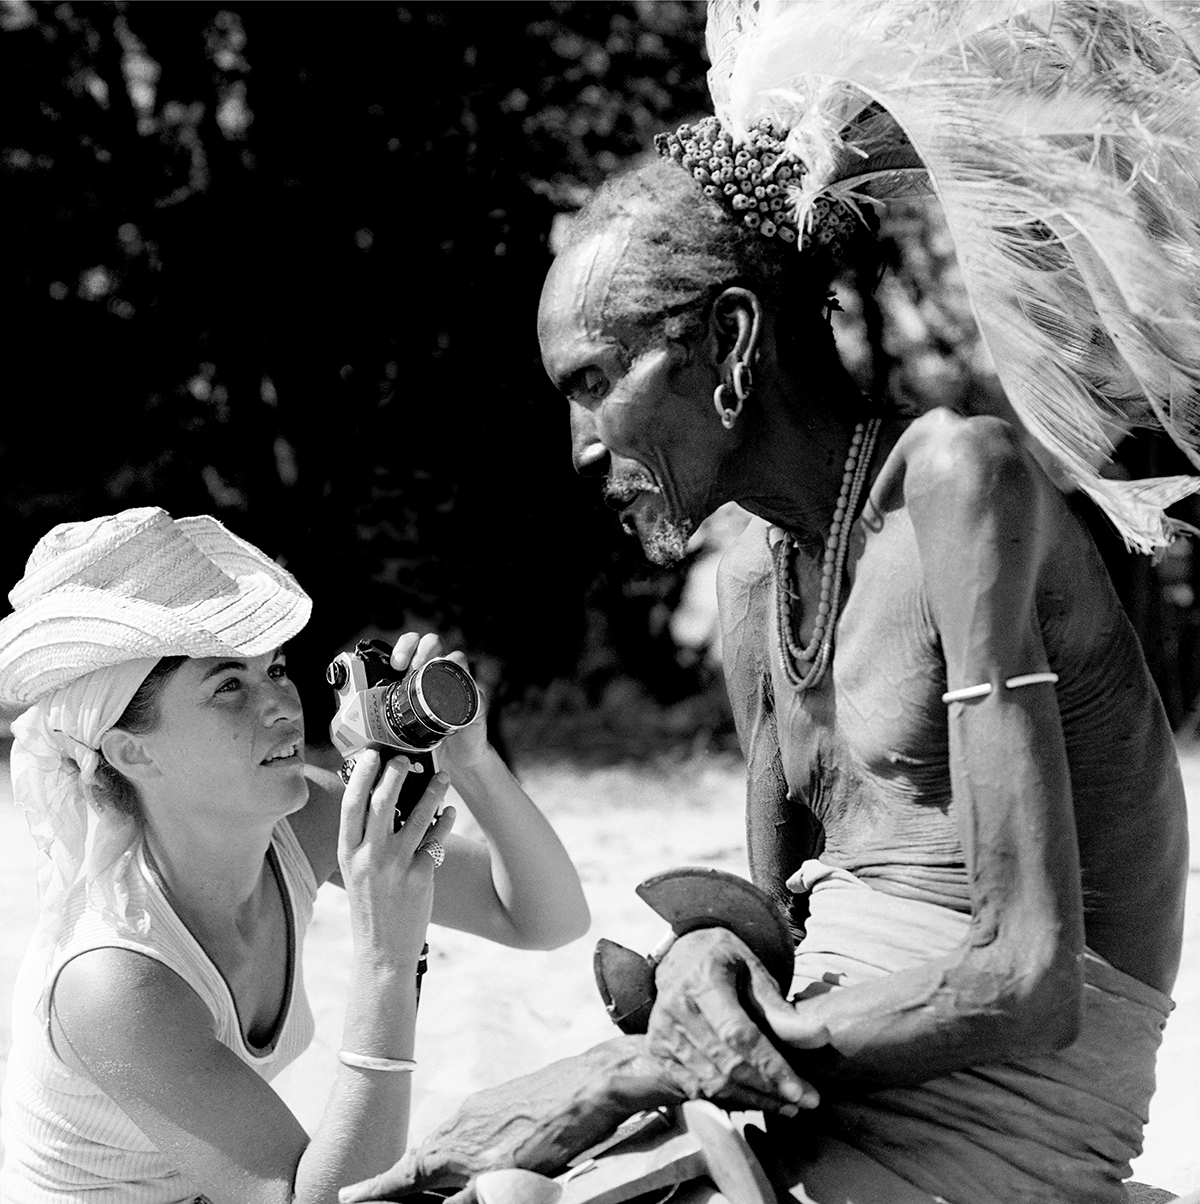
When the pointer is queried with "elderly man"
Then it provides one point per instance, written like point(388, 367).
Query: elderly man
point(961, 781)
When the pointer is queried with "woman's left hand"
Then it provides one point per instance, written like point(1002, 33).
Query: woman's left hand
point(463, 749)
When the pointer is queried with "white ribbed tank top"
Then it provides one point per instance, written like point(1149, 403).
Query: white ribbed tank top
point(64, 1140)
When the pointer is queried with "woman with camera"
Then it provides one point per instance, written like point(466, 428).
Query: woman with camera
point(183, 839)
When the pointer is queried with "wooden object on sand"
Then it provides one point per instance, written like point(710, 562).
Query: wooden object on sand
point(702, 1144)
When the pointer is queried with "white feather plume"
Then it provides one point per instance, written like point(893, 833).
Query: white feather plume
point(1063, 142)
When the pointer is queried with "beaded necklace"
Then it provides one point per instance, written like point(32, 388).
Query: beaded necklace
point(805, 667)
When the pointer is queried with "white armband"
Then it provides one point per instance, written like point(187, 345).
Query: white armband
point(985, 688)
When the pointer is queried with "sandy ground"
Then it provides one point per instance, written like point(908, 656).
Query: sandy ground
point(489, 1013)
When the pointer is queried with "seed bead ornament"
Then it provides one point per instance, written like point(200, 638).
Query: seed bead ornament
point(1061, 142)
point(752, 180)
point(806, 667)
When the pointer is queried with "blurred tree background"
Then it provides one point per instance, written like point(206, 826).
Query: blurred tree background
point(280, 264)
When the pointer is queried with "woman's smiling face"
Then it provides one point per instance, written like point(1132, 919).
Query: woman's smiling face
point(230, 734)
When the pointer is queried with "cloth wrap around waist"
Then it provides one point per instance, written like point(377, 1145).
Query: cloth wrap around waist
point(1060, 1127)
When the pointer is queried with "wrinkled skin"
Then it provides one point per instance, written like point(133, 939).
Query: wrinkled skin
point(965, 566)
point(538, 1122)
point(724, 1037)
point(640, 416)
point(541, 1121)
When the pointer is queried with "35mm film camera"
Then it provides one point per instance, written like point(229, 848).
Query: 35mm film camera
point(409, 713)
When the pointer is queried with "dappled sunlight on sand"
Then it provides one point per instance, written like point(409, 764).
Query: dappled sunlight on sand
point(489, 1013)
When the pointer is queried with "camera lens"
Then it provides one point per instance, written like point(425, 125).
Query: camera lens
point(429, 704)
point(448, 693)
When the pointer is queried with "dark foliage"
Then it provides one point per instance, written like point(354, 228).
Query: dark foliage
point(280, 263)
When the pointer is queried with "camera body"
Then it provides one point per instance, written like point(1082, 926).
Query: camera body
point(408, 713)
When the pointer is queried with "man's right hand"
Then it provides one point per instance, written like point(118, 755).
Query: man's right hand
point(701, 1043)
point(701, 1030)
point(538, 1122)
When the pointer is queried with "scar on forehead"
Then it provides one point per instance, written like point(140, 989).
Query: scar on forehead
point(605, 254)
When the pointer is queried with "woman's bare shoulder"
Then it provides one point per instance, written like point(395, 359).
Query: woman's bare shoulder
point(107, 1001)
point(140, 1033)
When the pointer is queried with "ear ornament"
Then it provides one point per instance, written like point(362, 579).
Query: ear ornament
point(743, 382)
point(728, 416)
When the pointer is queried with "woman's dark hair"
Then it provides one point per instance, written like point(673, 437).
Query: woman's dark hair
point(685, 249)
point(142, 715)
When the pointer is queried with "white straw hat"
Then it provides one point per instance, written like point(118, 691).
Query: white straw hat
point(140, 584)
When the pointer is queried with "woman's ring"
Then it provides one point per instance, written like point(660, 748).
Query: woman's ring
point(435, 850)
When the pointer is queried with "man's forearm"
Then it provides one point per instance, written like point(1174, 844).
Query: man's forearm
point(542, 1120)
point(930, 1020)
point(632, 1079)
point(538, 1122)
point(608, 1084)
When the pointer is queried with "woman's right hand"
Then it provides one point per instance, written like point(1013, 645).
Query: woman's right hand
point(389, 875)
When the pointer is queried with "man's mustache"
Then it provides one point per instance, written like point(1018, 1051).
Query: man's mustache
point(621, 488)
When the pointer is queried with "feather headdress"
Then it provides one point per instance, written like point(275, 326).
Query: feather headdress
point(1063, 143)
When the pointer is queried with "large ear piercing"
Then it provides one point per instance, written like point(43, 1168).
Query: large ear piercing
point(743, 382)
point(743, 385)
point(727, 415)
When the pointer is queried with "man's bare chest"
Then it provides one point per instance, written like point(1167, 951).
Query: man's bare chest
point(873, 731)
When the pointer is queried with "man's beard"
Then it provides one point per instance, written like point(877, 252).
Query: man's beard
point(665, 542)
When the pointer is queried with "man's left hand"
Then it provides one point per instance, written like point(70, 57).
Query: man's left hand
point(701, 1026)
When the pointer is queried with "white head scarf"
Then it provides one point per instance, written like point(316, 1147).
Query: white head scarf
point(82, 841)
point(101, 602)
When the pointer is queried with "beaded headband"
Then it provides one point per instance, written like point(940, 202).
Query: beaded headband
point(752, 180)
